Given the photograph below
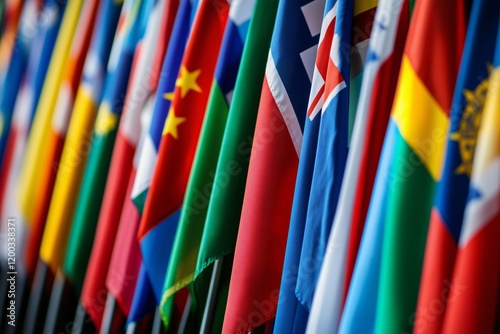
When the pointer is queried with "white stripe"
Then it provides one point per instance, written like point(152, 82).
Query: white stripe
point(326, 309)
point(479, 211)
point(332, 95)
point(280, 95)
point(312, 11)
point(141, 87)
point(241, 11)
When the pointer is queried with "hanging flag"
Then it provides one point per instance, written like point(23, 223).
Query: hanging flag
point(383, 59)
point(182, 125)
point(24, 110)
point(143, 301)
point(156, 246)
point(332, 141)
point(421, 115)
point(89, 212)
point(169, 180)
point(171, 65)
point(451, 196)
point(96, 173)
point(373, 139)
point(22, 43)
point(42, 121)
point(472, 305)
point(222, 215)
point(125, 260)
point(265, 216)
point(289, 304)
point(182, 263)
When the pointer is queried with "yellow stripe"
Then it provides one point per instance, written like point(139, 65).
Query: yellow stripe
point(361, 6)
point(488, 143)
point(420, 119)
point(74, 156)
point(30, 173)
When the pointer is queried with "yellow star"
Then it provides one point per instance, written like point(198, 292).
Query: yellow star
point(172, 123)
point(106, 120)
point(168, 96)
point(187, 81)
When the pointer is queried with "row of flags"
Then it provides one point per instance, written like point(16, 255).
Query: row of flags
point(296, 166)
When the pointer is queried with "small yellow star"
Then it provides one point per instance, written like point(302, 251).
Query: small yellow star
point(187, 81)
point(168, 96)
point(172, 123)
point(106, 120)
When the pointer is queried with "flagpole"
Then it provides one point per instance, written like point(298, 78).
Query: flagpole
point(185, 316)
point(82, 323)
point(62, 305)
point(109, 314)
point(39, 298)
point(208, 314)
point(157, 323)
point(22, 295)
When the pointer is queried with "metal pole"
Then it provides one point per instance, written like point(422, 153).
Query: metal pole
point(208, 314)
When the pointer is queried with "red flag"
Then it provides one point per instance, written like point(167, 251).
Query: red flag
point(185, 117)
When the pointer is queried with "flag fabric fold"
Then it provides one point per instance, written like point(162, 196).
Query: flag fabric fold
point(452, 193)
point(182, 263)
point(260, 246)
point(382, 63)
point(473, 294)
point(421, 115)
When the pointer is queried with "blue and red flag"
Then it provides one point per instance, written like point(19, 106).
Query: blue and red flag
point(267, 205)
point(445, 227)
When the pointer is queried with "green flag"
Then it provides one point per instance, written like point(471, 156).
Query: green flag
point(221, 226)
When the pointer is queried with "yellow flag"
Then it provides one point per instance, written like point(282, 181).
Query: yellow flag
point(30, 179)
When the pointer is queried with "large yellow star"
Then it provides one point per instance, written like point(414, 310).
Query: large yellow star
point(172, 123)
point(187, 81)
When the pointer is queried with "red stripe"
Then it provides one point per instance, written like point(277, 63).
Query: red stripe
point(42, 202)
point(362, 25)
point(382, 96)
point(444, 58)
point(7, 161)
point(126, 259)
point(437, 270)
point(473, 299)
point(109, 217)
point(260, 248)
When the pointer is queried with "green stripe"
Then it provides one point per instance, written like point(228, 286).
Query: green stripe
point(187, 240)
point(87, 210)
point(219, 236)
point(408, 213)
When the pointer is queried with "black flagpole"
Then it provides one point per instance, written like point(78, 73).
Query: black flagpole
point(208, 314)
point(39, 298)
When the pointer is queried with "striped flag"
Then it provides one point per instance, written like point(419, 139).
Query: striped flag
point(451, 196)
point(289, 304)
point(42, 121)
point(89, 212)
point(378, 118)
point(421, 118)
point(125, 260)
point(156, 247)
point(473, 295)
point(182, 263)
point(16, 69)
point(54, 140)
point(260, 247)
point(222, 217)
point(382, 64)
point(24, 110)
point(183, 123)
